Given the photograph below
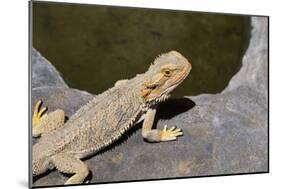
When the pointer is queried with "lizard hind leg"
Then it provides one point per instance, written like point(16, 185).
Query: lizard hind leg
point(43, 123)
point(67, 164)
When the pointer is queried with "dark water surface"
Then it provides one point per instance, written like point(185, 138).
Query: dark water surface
point(94, 46)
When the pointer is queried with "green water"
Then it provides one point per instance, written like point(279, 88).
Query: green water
point(94, 46)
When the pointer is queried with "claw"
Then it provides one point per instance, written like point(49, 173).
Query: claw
point(87, 181)
point(42, 111)
point(38, 113)
point(172, 128)
point(176, 130)
point(170, 134)
point(37, 106)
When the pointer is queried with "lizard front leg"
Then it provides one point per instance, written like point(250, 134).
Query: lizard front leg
point(67, 164)
point(156, 135)
point(43, 123)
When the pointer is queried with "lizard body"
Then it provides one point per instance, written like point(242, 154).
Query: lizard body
point(106, 118)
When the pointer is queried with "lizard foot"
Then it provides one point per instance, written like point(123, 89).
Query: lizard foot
point(38, 113)
point(170, 134)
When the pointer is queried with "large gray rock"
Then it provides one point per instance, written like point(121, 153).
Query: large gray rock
point(224, 133)
point(66, 99)
point(254, 71)
point(43, 73)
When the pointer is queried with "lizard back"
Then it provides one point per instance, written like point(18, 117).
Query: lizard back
point(97, 124)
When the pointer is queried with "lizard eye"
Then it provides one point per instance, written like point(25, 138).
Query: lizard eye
point(167, 72)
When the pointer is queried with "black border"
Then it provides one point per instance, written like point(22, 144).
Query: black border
point(30, 42)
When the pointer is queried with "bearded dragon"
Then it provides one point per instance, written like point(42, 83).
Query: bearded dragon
point(105, 119)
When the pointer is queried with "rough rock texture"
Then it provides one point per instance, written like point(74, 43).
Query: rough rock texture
point(224, 133)
point(58, 97)
point(254, 72)
point(43, 73)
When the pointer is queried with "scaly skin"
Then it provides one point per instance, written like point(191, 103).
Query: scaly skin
point(106, 118)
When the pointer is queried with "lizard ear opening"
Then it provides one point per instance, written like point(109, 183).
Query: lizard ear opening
point(147, 89)
point(145, 92)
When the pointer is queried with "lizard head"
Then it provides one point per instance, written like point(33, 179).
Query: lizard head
point(163, 76)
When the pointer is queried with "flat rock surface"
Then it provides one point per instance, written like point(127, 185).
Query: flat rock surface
point(224, 133)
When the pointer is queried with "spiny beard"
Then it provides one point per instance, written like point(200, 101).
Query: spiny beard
point(158, 100)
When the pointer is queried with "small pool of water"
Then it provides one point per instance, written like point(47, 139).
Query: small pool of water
point(94, 46)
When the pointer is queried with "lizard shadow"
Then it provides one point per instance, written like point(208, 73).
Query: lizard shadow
point(37, 177)
point(66, 175)
point(173, 107)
